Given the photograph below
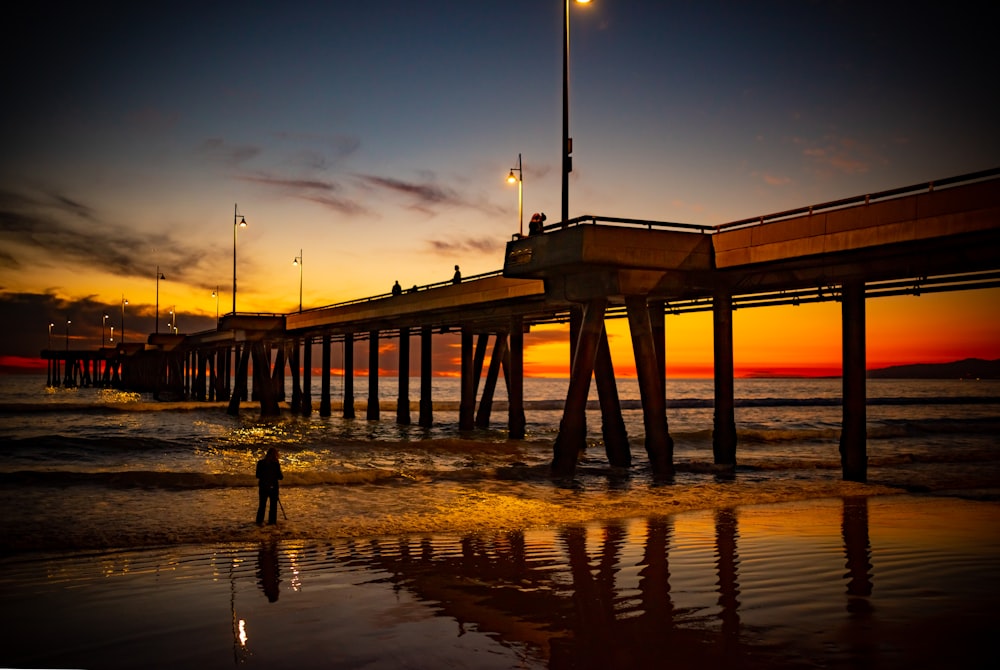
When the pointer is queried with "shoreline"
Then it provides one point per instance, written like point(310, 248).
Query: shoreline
point(782, 584)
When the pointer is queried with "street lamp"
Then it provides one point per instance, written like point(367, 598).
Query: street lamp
point(112, 335)
point(520, 194)
point(215, 294)
point(298, 261)
point(124, 302)
point(567, 143)
point(104, 325)
point(236, 225)
point(173, 320)
point(159, 276)
point(67, 333)
point(51, 326)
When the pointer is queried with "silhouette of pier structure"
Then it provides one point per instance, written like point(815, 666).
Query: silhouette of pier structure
point(940, 236)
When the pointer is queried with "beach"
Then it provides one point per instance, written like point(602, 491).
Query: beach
point(129, 538)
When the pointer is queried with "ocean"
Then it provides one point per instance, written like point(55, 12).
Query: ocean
point(129, 525)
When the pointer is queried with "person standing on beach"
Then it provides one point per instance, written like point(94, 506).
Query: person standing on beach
point(268, 474)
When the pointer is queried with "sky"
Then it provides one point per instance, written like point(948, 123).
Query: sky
point(373, 140)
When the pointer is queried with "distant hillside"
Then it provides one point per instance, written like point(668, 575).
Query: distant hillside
point(970, 368)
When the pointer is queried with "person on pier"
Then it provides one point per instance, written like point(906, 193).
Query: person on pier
point(397, 289)
point(537, 223)
point(457, 277)
point(268, 474)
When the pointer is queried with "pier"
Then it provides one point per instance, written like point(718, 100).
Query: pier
point(939, 236)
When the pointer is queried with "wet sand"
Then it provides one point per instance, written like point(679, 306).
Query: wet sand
point(884, 582)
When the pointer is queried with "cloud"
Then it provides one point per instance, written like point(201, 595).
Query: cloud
point(216, 150)
point(844, 155)
point(424, 196)
point(47, 228)
point(482, 245)
point(318, 191)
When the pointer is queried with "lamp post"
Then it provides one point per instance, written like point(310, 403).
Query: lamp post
point(298, 261)
point(567, 143)
point(51, 326)
point(124, 302)
point(112, 335)
point(215, 294)
point(104, 326)
point(520, 194)
point(159, 276)
point(173, 321)
point(242, 223)
point(67, 333)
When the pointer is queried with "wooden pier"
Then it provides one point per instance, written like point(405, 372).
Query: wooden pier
point(942, 236)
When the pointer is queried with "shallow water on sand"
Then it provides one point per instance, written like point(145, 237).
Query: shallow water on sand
point(886, 582)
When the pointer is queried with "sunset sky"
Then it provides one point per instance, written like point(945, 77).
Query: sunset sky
point(375, 138)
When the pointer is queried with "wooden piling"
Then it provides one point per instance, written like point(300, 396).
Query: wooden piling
point(324, 397)
point(616, 444)
point(307, 403)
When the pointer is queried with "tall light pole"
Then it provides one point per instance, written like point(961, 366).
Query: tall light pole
point(298, 261)
point(173, 320)
point(215, 294)
point(242, 223)
point(159, 276)
point(112, 334)
point(51, 326)
point(67, 333)
point(124, 302)
point(104, 325)
point(520, 194)
point(567, 143)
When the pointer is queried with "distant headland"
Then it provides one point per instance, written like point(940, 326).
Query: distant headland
point(970, 368)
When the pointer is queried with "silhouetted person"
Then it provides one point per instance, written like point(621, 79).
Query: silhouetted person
point(536, 223)
point(397, 289)
point(268, 474)
point(457, 277)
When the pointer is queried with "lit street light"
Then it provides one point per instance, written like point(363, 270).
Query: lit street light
point(104, 324)
point(567, 143)
point(520, 194)
point(51, 325)
point(112, 340)
point(236, 225)
point(298, 261)
point(67, 333)
point(124, 302)
point(215, 294)
point(159, 276)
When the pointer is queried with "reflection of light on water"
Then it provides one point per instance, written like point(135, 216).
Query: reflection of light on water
point(116, 396)
point(243, 633)
point(296, 579)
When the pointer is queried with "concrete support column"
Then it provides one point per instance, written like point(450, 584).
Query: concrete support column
point(514, 374)
point(572, 438)
point(467, 404)
point(854, 433)
point(659, 444)
point(349, 376)
point(239, 387)
point(426, 418)
point(403, 375)
point(724, 430)
point(262, 380)
point(294, 362)
point(373, 407)
point(307, 357)
point(612, 424)
point(324, 394)
point(278, 376)
point(489, 388)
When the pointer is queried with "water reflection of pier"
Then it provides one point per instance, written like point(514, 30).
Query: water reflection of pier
point(595, 596)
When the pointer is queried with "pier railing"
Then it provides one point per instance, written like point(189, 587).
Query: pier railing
point(860, 199)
